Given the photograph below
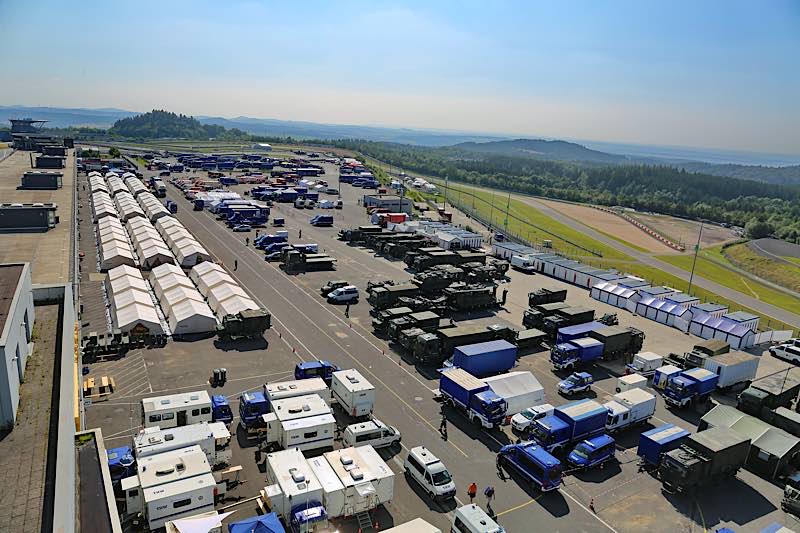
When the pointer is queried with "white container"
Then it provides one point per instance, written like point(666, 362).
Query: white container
point(292, 482)
point(732, 368)
point(646, 363)
point(303, 422)
point(355, 394)
point(631, 381)
point(214, 439)
point(280, 390)
point(519, 389)
point(629, 408)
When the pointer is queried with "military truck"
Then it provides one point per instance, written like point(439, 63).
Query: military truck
point(248, 324)
point(569, 316)
point(546, 296)
point(766, 394)
point(534, 317)
point(424, 320)
point(436, 279)
point(696, 358)
point(470, 297)
point(357, 235)
point(434, 348)
point(478, 273)
point(436, 304)
point(297, 261)
point(385, 297)
point(381, 322)
point(411, 257)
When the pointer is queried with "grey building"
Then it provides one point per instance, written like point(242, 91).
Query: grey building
point(50, 161)
point(16, 328)
point(393, 203)
point(42, 179)
point(18, 218)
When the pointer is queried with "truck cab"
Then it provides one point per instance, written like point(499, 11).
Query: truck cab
point(251, 406)
point(221, 409)
point(690, 386)
point(316, 369)
point(532, 462)
point(576, 352)
point(575, 383)
point(592, 452)
point(121, 463)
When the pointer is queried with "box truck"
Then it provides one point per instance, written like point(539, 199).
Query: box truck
point(653, 444)
point(732, 368)
point(629, 408)
point(355, 395)
point(485, 358)
point(472, 396)
point(690, 386)
point(569, 424)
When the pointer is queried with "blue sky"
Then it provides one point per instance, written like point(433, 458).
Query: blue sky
point(711, 73)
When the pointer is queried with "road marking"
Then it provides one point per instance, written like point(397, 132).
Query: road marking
point(702, 518)
point(749, 289)
point(571, 497)
point(335, 341)
point(518, 507)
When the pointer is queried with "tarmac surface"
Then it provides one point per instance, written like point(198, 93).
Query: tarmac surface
point(305, 327)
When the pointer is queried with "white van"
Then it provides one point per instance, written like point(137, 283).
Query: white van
point(525, 418)
point(427, 470)
point(472, 519)
point(374, 432)
point(787, 352)
point(348, 293)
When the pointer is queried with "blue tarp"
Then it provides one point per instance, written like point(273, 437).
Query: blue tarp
point(268, 523)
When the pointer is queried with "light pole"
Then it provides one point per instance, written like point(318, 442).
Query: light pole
point(694, 260)
point(508, 206)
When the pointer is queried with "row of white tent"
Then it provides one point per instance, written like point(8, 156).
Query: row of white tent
point(150, 247)
point(102, 205)
point(132, 308)
point(224, 295)
point(153, 209)
point(96, 183)
point(135, 185)
point(115, 185)
point(114, 249)
point(127, 206)
point(187, 250)
point(183, 305)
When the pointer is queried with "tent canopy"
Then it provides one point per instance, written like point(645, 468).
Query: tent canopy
point(268, 523)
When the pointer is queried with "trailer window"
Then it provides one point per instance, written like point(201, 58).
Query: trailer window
point(195, 412)
point(310, 435)
point(167, 416)
point(154, 418)
point(205, 410)
point(182, 503)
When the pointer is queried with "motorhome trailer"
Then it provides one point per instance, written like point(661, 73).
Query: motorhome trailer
point(176, 410)
point(214, 439)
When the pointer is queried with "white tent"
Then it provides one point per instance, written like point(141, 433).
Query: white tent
point(616, 295)
point(188, 253)
point(190, 316)
point(137, 318)
point(121, 280)
point(135, 185)
point(153, 253)
point(210, 280)
point(222, 292)
point(233, 305)
point(114, 253)
point(152, 207)
point(179, 293)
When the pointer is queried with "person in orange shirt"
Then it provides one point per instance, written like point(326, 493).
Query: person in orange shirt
point(472, 491)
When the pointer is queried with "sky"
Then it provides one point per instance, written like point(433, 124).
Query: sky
point(723, 74)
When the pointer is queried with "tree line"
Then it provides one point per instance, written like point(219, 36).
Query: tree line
point(159, 124)
point(764, 208)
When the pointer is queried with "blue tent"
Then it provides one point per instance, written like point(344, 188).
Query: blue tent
point(268, 523)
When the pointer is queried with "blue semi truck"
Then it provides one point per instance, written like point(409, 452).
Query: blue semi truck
point(474, 397)
point(569, 424)
point(316, 369)
point(604, 342)
point(690, 387)
point(576, 353)
point(532, 462)
point(251, 406)
point(485, 358)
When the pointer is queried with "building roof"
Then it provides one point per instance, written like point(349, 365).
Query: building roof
point(10, 275)
point(741, 316)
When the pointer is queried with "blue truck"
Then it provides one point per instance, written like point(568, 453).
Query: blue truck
point(322, 220)
point(287, 195)
point(592, 452)
point(316, 369)
point(474, 397)
point(577, 331)
point(121, 463)
point(576, 353)
point(658, 441)
point(251, 406)
point(485, 358)
point(569, 424)
point(171, 206)
point(265, 240)
point(221, 409)
point(690, 386)
point(532, 462)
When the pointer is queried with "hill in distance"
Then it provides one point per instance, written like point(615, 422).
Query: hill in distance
point(542, 149)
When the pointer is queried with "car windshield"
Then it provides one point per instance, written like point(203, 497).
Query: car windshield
point(573, 379)
point(527, 413)
point(441, 478)
point(582, 451)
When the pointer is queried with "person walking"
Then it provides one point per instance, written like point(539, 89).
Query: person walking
point(235, 265)
point(443, 426)
point(247, 241)
point(472, 491)
point(489, 493)
point(300, 234)
point(347, 310)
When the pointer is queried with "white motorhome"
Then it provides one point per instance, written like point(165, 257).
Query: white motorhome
point(176, 410)
point(354, 480)
point(293, 488)
point(629, 408)
point(280, 390)
point(171, 485)
point(214, 439)
point(304, 422)
point(355, 394)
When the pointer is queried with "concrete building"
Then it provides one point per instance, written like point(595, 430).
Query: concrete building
point(50, 161)
point(16, 327)
point(39, 179)
point(393, 203)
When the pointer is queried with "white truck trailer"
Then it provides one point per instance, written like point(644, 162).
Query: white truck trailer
point(294, 492)
point(644, 364)
point(355, 394)
point(214, 439)
point(176, 410)
point(354, 480)
point(171, 485)
point(629, 408)
point(732, 368)
point(304, 422)
point(519, 389)
point(280, 390)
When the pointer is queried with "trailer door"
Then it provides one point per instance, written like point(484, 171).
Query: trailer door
point(181, 418)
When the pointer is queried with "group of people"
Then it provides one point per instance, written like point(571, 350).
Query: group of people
point(472, 492)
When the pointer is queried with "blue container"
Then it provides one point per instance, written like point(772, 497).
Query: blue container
point(584, 418)
point(577, 331)
point(485, 358)
point(658, 441)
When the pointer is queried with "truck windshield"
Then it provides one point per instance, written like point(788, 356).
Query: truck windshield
point(441, 478)
point(541, 434)
point(582, 451)
point(674, 387)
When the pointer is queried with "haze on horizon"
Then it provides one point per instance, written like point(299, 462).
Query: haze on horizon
point(717, 74)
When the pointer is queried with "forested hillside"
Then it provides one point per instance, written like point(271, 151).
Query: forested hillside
point(662, 189)
point(159, 124)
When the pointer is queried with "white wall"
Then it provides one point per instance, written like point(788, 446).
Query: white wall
point(15, 347)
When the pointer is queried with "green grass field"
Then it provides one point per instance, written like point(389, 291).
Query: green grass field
point(785, 275)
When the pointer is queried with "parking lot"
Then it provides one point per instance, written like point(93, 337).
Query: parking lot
point(305, 327)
